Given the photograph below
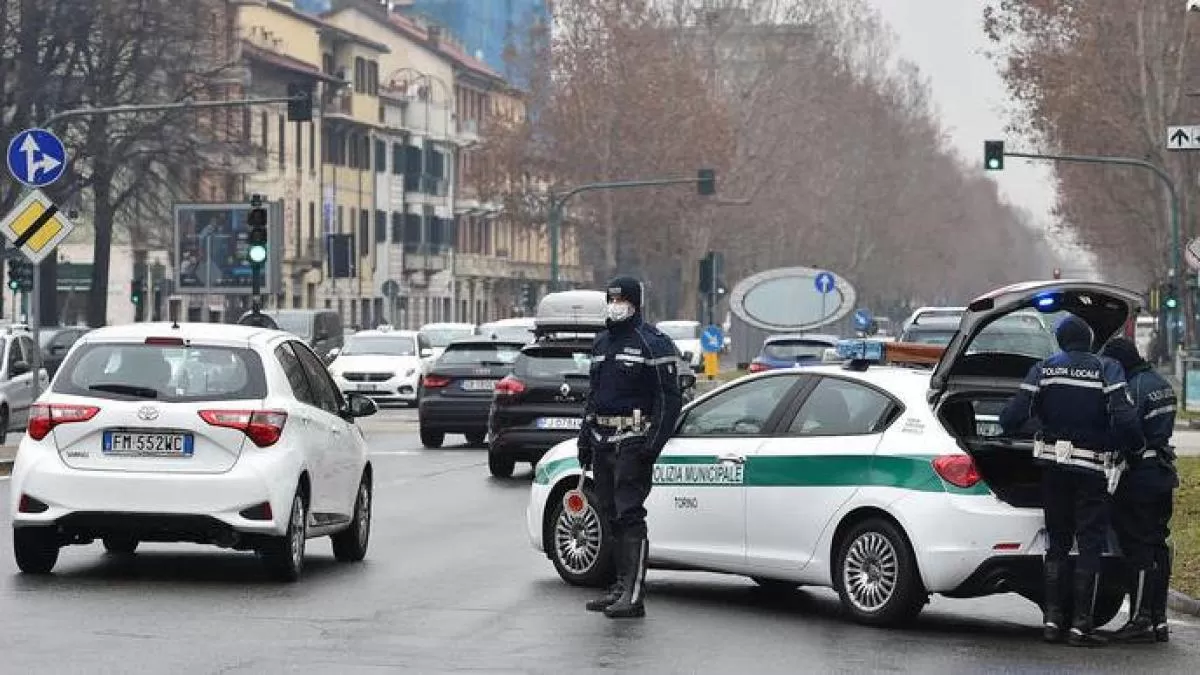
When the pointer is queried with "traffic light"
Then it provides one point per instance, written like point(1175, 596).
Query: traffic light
point(1170, 297)
point(257, 239)
point(1057, 273)
point(26, 276)
point(712, 267)
point(706, 182)
point(137, 291)
point(299, 107)
point(14, 274)
point(993, 155)
point(527, 295)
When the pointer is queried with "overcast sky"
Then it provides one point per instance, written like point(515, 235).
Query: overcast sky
point(946, 41)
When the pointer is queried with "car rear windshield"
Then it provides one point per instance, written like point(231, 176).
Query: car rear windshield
point(388, 346)
point(299, 325)
point(547, 363)
point(795, 350)
point(680, 331)
point(440, 337)
point(498, 354)
point(162, 373)
point(930, 337)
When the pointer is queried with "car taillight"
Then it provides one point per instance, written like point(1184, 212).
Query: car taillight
point(264, 427)
point(756, 367)
point(43, 417)
point(510, 386)
point(434, 381)
point(957, 470)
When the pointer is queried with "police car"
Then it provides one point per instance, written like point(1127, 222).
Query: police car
point(869, 477)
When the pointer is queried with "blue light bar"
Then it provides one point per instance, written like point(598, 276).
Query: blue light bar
point(860, 350)
point(1046, 302)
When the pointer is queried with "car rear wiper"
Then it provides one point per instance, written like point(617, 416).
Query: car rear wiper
point(127, 389)
point(579, 376)
point(495, 363)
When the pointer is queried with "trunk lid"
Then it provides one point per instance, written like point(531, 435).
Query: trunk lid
point(1104, 307)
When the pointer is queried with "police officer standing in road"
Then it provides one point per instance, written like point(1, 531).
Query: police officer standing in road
point(631, 412)
point(1143, 504)
point(1085, 415)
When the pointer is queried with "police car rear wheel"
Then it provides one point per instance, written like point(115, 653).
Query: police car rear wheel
point(876, 574)
point(580, 546)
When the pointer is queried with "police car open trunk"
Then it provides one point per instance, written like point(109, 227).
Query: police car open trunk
point(975, 378)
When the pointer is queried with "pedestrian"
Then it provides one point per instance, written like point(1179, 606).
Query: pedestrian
point(1143, 502)
point(1080, 402)
point(631, 412)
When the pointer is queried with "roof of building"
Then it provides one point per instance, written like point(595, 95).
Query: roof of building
point(321, 24)
point(283, 61)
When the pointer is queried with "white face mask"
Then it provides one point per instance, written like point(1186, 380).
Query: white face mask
point(618, 311)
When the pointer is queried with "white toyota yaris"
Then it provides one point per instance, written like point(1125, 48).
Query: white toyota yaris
point(206, 433)
point(886, 483)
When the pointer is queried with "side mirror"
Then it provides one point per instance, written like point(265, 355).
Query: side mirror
point(426, 352)
point(360, 406)
point(19, 368)
point(333, 353)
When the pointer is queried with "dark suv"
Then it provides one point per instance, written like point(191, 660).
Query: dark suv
point(456, 393)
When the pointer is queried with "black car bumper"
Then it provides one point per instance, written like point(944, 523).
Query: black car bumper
point(455, 416)
point(1023, 575)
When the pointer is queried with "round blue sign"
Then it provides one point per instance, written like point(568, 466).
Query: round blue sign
point(824, 282)
point(36, 158)
point(862, 319)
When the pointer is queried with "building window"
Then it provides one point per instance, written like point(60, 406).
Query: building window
point(312, 221)
point(339, 220)
point(312, 147)
point(412, 232)
point(364, 233)
point(282, 139)
point(360, 75)
point(380, 157)
point(380, 227)
point(397, 227)
point(327, 64)
point(247, 126)
point(397, 159)
point(364, 151)
point(299, 230)
point(299, 147)
point(373, 78)
point(265, 134)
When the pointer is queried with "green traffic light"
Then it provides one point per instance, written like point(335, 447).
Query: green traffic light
point(13, 284)
point(1171, 303)
point(994, 164)
point(257, 254)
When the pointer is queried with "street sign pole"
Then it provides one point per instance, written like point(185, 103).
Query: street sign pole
point(34, 321)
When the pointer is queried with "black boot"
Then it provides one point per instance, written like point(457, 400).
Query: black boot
point(1083, 632)
point(1054, 617)
point(1139, 628)
point(1158, 597)
point(617, 589)
point(630, 605)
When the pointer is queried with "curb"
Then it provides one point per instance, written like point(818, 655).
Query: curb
point(1183, 603)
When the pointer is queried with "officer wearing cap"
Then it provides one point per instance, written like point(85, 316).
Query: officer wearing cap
point(631, 411)
point(1143, 502)
point(1080, 401)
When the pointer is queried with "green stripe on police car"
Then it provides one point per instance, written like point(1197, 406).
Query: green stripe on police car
point(912, 472)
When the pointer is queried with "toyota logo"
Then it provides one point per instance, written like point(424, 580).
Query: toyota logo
point(147, 413)
point(565, 389)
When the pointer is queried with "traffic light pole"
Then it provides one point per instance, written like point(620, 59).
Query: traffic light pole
point(558, 202)
point(1176, 245)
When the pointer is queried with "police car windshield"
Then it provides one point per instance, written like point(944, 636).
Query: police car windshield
point(795, 350)
point(553, 362)
point(387, 346)
point(680, 331)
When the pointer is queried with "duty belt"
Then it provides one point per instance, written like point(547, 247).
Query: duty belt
point(1063, 452)
point(625, 427)
point(614, 421)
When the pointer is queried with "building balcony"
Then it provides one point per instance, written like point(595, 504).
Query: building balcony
point(426, 189)
point(467, 132)
point(482, 266)
point(427, 258)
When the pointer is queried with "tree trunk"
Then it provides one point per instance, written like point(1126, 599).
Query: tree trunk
point(101, 251)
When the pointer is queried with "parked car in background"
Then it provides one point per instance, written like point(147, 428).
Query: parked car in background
point(686, 336)
point(321, 329)
point(436, 336)
point(16, 379)
point(456, 393)
point(791, 351)
point(517, 328)
point(382, 364)
point(926, 313)
point(55, 342)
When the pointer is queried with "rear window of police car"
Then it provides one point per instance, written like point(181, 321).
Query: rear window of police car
point(130, 371)
point(551, 362)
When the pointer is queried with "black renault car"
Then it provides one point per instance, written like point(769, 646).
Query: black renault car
point(456, 393)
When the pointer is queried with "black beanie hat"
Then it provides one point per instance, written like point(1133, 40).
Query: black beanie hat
point(627, 288)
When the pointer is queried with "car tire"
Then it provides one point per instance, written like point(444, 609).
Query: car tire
point(284, 556)
point(432, 439)
point(580, 548)
point(122, 545)
point(350, 545)
point(477, 440)
point(500, 466)
point(4, 425)
point(878, 550)
point(36, 549)
point(775, 585)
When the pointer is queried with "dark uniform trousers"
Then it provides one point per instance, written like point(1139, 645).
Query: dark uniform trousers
point(622, 479)
point(1077, 508)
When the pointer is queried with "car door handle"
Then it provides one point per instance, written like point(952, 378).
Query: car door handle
point(731, 459)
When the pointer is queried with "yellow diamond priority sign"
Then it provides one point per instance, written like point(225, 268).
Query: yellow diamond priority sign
point(36, 226)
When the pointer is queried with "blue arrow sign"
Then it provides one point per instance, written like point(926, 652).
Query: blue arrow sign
point(712, 339)
point(824, 282)
point(862, 319)
point(36, 158)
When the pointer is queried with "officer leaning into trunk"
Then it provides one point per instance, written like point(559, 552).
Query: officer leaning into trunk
point(631, 411)
point(1080, 400)
point(1143, 502)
